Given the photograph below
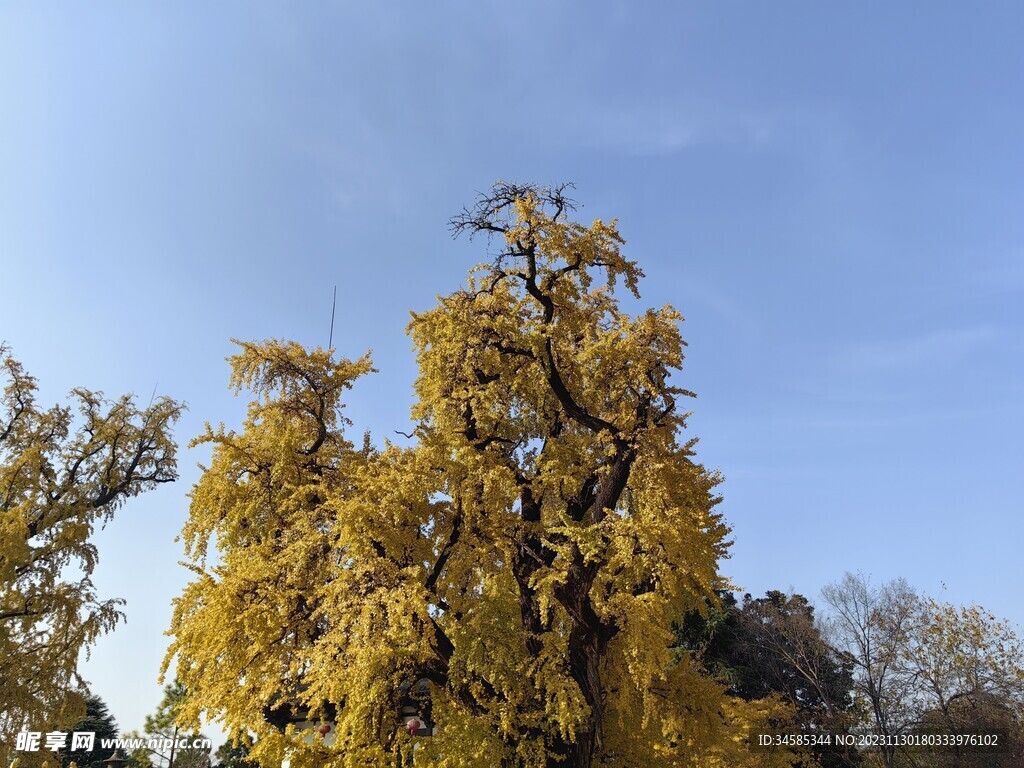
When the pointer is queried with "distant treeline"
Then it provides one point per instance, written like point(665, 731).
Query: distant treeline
point(912, 680)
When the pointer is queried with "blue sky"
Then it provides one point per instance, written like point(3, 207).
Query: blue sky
point(831, 193)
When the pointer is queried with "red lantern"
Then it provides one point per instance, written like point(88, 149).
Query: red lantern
point(413, 726)
point(324, 729)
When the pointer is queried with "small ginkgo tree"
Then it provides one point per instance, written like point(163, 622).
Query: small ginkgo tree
point(516, 573)
point(64, 472)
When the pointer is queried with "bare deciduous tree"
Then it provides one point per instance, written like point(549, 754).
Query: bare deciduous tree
point(869, 626)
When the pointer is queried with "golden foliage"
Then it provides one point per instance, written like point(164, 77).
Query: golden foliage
point(60, 477)
point(516, 573)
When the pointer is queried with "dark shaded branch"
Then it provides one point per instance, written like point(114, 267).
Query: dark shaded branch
point(446, 552)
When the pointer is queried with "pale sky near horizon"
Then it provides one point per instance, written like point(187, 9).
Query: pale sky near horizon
point(830, 193)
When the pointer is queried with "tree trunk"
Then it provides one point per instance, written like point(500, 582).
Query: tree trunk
point(174, 744)
point(588, 639)
point(585, 662)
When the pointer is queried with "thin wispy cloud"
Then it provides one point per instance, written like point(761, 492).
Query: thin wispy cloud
point(890, 372)
point(1003, 276)
point(909, 418)
point(935, 348)
point(667, 128)
point(672, 134)
point(655, 130)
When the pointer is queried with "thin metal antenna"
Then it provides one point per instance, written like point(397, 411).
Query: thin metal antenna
point(334, 303)
point(150, 405)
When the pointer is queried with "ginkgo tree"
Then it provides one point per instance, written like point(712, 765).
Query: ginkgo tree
point(516, 572)
point(64, 471)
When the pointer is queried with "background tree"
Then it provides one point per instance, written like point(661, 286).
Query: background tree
point(774, 645)
point(979, 714)
point(100, 721)
point(60, 477)
point(247, 630)
point(930, 667)
point(164, 724)
point(869, 626)
point(233, 755)
point(519, 568)
point(139, 757)
point(968, 667)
